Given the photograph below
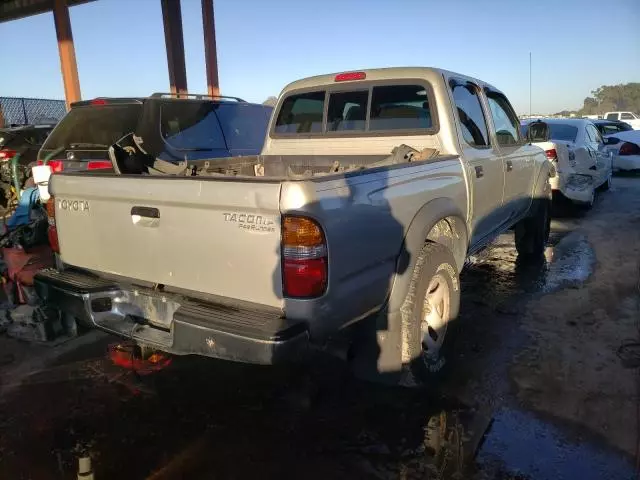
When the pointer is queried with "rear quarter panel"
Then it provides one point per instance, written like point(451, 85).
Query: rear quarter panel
point(366, 219)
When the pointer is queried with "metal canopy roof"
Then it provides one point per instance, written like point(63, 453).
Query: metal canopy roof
point(15, 9)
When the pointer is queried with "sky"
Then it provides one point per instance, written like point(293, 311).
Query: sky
point(576, 46)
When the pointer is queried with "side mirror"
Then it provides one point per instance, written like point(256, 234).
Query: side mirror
point(538, 132)
point(611, 140)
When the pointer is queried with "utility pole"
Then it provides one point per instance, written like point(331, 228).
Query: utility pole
point(530, 113)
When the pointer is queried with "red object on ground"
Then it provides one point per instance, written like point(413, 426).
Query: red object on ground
point(22, 265)
point(126, 355)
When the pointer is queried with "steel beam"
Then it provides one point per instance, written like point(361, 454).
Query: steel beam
point(174, 41)
point(210, 50)
point(67, 52)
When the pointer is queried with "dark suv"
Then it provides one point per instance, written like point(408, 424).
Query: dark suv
point(169, 128)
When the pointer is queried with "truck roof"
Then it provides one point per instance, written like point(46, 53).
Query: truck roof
point(389, 73)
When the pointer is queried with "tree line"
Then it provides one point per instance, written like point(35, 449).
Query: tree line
point(610, 98)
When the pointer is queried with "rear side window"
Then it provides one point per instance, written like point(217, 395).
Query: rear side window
point(559, 131)
point(191, 126)
point(472, 121)
point(594, 134)
point(400, 107)
point(244, 126)
point(301, 113)
point(505, 119)
point(612, 116)
point(347, 111)
point(93, 126)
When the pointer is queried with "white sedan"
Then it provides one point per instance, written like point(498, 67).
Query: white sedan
point(581, 159)
point(625, 147)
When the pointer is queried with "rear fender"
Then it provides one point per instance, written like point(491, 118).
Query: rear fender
point(439, 221)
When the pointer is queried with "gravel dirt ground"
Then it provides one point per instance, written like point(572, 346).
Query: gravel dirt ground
point(536, 373)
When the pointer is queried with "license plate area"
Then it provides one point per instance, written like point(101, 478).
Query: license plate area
point(155, 309)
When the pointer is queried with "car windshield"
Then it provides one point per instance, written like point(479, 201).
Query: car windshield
point(564, 132)
point(243, 125)
point(191, 125)
point(93, 127)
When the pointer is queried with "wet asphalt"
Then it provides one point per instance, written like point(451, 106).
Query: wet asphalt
point(210, 419)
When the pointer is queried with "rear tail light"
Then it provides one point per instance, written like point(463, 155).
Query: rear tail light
point(304, 258)
point(7, 154)
point(551, 154)
point(347, 76)
point(52, 232)
point(628, 148)
point(99, 165)
point(56, 165)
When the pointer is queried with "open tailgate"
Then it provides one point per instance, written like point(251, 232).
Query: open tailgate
point(216, 237)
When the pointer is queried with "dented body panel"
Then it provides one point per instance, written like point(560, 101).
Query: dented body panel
point(582, 162)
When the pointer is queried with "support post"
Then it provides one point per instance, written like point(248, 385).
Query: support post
point(174, 41)
point(210, 50)
point(67, 52)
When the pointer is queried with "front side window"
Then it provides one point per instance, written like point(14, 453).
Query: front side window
point(347, 111)
point(627, 116)
point(504, 119)
point(472, 122)
point(400, 107)
point(301, 113)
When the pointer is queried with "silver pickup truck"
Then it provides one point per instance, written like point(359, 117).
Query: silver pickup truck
point(372, 189)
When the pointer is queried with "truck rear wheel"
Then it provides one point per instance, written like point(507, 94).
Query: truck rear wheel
point(532, 233)
point(429, 316)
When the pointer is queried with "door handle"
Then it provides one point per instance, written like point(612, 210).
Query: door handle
point(509, 165)
point(479, 171)
point(145, 216)
point(148, 212)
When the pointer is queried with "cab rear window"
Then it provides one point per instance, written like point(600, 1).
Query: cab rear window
point(370, 109)
point(301, 113)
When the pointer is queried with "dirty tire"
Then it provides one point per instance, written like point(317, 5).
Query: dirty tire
point(532, 233)
point(435, 268)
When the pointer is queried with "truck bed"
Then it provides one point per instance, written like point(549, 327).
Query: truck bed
point(295, 167)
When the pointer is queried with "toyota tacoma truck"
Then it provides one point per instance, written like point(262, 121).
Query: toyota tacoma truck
point(372, 189)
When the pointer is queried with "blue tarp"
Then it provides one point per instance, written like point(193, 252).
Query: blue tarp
point(22, 216)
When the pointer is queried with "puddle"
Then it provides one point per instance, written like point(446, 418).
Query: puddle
point(520, 444)
point(568, 261)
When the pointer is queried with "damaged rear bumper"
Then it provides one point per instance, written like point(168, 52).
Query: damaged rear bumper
point(576, 187)
point(174, 323)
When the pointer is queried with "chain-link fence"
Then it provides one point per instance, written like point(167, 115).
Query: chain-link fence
point(23, 111)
